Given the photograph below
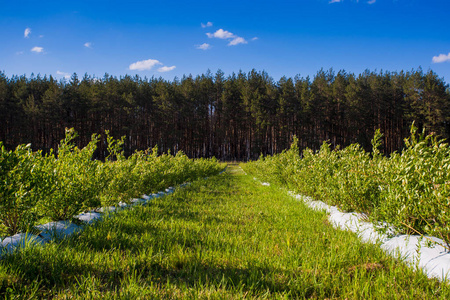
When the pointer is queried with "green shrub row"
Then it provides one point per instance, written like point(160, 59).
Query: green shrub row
point(57, 186)
point(409, 190)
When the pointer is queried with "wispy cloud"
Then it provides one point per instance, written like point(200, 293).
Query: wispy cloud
point(88, 45)
point(19, 52)
point(336, 1)
point(371, 1)
point(64, 74)
point(226, 35)
point(255, 38)
point(27, 32)
point(209, 24)
point(37, 49)
point(166, 69)
point(204, 46)
point(144, 64)
point(441, 58)
point(236, 41)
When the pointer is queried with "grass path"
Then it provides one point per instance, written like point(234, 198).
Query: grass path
point(227, 237)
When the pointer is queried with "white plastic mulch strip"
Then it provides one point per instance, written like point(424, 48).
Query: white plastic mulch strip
point(425, 252)
point(415, 250)
point(20, 240)
point(62, 229)
point(57, 230)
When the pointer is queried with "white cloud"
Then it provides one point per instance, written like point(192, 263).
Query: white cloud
point(255, 38)
point(236, 41)
point(37, 49)
point(441, 58)
point(221, 34)
point(209, 24)
point(144, 64)
point(64, 74)
point(204, 46)
point(371, 1)
point(88, 45)
point(41, 36)
point(166, 69)
point(336, 1)
point(27, 32)
point(226, 35)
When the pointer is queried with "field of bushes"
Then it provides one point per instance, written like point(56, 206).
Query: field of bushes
point(35, 188)
point(409, 190)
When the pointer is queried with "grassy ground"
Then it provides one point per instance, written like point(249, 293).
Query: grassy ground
point(227, 237)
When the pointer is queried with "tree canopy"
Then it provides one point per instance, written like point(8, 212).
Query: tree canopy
point(232, 118)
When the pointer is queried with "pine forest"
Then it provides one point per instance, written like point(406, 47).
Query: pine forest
point(234, 117)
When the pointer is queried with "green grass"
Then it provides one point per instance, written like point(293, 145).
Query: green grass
point(227, 237)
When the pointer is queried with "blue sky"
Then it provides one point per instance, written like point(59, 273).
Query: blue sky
point(173, 38)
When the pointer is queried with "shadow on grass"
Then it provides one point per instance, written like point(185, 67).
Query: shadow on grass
point(61, 272)
point(115, 248)
point(187, 242)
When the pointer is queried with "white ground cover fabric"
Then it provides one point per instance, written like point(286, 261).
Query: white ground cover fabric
point(122, 204)
point(89, 217)
point(147, 197)
point(138, 201)
point(20, 240)
point(63, 229)
point(57, 230)
point(107, 209)
point(427, 253)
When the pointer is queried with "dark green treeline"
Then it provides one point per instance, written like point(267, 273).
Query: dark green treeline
point(232, 118)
